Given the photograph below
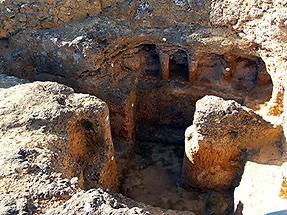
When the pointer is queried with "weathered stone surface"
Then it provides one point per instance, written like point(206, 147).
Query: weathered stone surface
point(257, 26)
point(219, 141)
point(53, 142)
point(259, 189)
point(10, 81)
point(100, 202)
point(14, 204)
point(19, 15)
point(151, 60)
point(262, 23)
point(149, 77)
point(29, 15)
point(262, 189)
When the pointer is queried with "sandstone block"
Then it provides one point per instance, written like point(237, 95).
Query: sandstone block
point(53, 142)
point(223, 134)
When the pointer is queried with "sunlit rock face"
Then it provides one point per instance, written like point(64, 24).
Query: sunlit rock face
point(53, 141)
point(223, 136)
point(260, 190)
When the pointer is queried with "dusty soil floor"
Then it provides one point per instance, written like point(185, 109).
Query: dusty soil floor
point(154, 178)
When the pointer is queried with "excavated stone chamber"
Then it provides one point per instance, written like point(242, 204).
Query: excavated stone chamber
point(169, 82)
point(151, 87)
point(153, 62)
point(152, 90)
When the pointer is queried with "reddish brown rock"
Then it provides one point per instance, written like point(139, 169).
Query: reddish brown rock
point(150, 83)
point(220, 140)
point(53, 142)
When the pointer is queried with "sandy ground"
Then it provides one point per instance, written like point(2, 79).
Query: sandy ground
point(154, 179)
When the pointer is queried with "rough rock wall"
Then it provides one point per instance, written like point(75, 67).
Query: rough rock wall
point(256, 28)
point(108, 58)
point(19, 15)
point(99, 55)
point(262, 23)
point(22, 14)
point(53, 143)
point(152, 13)
point(241, 23)
point(42, 156)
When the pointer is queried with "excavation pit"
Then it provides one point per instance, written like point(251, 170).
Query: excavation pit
point(151, 91)
point(151, 64)
point(163, 106)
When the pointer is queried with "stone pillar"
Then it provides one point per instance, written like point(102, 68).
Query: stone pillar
point(91, 155)
point(191, 67)
point(164, 60)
